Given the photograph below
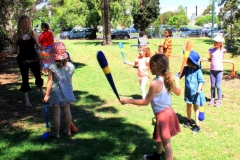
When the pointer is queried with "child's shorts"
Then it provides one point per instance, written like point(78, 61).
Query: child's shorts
point(167, 125)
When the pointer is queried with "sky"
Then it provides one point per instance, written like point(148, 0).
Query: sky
point(172, 5)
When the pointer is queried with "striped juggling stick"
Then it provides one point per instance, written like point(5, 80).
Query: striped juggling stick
point(104, 65)
point(47, 133)
point(201, 114)
point(120, 44)
point(188, 49)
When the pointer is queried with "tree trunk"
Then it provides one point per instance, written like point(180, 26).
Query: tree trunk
point(107, 40)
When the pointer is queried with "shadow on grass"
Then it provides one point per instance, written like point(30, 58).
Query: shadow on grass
point(96, 43)
point(99, 137)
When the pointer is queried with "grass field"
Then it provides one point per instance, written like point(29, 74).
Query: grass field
point(107, 129)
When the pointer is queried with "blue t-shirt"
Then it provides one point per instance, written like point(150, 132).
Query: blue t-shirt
point(193, 77)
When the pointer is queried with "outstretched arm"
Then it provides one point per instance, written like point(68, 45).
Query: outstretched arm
point(154, 87)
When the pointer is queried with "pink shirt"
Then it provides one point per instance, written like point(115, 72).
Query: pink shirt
point(143, 66)
point(217, 58)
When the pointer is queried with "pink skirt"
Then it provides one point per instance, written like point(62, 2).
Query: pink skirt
point(166, 126)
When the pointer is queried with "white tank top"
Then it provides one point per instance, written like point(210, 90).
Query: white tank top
point(161, 100)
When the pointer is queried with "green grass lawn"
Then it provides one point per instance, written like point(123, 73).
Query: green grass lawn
point(109, 130)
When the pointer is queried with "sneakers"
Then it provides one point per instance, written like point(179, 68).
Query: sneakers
point(196, 129)
point(187, 124)
point(211, 103)
point(217, 104)
point(154, 156)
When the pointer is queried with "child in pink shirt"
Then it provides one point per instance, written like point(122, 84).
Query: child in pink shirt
point(216, 57)
point(142, 61)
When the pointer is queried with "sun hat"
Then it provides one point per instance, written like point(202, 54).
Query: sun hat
point(219, 39)
point(59, 51)
point(194, 56)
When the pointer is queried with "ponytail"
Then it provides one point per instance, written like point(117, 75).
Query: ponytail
point(168, 80)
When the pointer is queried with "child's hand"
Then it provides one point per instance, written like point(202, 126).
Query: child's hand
point(124, 101)
point(124, 61)
point(46, 98)
point(232, 62)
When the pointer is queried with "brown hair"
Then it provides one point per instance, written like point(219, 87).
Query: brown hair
point(146, 50)
point(45, 25)
point(61, 63)
point(191, 64)
point(169, 31)
point(19, 26)
point(159, 64)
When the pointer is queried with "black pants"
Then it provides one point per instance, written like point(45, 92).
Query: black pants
point(24, 69)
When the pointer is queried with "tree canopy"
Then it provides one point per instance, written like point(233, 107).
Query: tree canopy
point(146, 14)
point(179, 19)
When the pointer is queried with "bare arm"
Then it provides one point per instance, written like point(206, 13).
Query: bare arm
point(49, 86)
point(131, 63)
point(155, 86)
point(207, 59)
point(35, 36)
point(176, 88)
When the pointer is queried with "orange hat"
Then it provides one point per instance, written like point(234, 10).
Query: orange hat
point(59, 51)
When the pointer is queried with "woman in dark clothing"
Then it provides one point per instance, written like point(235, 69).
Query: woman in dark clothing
point(25, 40)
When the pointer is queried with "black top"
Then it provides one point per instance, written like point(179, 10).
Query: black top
point(27, 49)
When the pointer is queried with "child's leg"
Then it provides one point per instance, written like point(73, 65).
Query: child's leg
point(168, 149)
point(57, 113)
point(143, 83)
point(196, 110)
point(68, 119)
point(213, 83)
point(159, 147)
point(189, 111)
point(218, 85)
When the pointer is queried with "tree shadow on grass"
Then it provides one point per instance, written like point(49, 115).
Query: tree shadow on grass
point(98, 43)
point(21, 128)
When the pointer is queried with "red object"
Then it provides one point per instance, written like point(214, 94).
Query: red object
point(188, 49)
point(46, 39)
point(73, 128)
point(189, 45)
point(233, 72)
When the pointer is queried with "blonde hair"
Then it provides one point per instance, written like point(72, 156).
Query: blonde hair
point(159, 64)
point(20, 32)
point(146, 50)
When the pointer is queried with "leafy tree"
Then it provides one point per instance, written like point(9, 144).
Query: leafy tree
point(206, 19)
point(179, 19)
point(229, 15)
point(146, 14)
point(208, 10)
point(164, 18)
point(88, 13)
point(11, 10)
